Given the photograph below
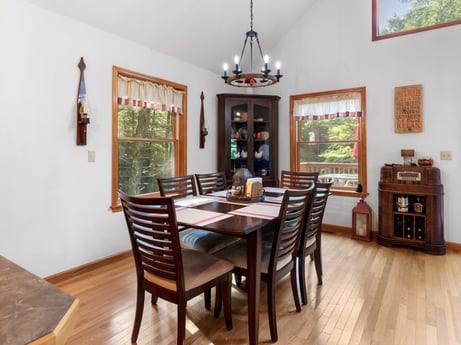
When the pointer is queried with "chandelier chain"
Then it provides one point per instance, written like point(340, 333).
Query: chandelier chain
point(251, 15)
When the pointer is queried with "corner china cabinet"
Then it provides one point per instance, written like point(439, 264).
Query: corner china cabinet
point(248, 135)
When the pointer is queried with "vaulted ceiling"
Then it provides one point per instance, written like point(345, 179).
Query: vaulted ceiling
point(205, 33)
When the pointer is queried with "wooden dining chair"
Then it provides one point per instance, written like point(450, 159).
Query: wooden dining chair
point(211, 182)
point(177, 187)
point(297, 179)
point(311, 237)
point(278, 258)
point(166, 270)
point(193, 238)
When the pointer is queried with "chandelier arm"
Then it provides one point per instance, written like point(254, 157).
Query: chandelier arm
point(259, 47)
point(251, 55)
point(243, 49)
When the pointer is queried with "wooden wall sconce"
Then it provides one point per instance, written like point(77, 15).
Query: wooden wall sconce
point(82, 107)
point(203, 130)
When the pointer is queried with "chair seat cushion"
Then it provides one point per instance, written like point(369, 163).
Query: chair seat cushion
point(199, 268)
point(205, 241)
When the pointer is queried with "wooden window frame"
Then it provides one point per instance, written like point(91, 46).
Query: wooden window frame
point(362, 158)
point(375, 26)
point(180, 138)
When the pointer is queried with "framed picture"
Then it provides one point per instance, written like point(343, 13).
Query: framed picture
point(408, 109)
point(393, 18)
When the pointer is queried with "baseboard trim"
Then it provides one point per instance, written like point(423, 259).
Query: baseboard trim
point(65, 275)
point(347, 230)
point(336, 228)
point(69, 274)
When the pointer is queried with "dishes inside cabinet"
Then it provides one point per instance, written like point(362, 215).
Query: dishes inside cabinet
point(264, 135)
point(243, 133)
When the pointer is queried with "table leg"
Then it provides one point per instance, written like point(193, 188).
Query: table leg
point(253, 284)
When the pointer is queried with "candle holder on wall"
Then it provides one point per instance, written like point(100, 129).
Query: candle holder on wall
point(203, 129)
point(82, 107)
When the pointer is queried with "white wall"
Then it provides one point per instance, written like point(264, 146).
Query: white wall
point(55, 204)
point(331, 48)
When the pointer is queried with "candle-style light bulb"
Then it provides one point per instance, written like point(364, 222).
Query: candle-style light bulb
point(277, 66)
point(236, 60)
point(225, 67)
point(266, 61)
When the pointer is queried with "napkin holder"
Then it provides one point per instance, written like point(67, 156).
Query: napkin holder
point(254, 187)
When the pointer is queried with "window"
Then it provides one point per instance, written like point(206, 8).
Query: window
point(393, 18)
point(148, 132)
point(327, 135)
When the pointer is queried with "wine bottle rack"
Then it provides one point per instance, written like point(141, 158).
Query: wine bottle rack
point(411, 208)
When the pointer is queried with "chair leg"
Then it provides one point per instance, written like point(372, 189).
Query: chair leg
point(318, 265)
point(138, 314)
point(153, 300)
point(302, 278)
point(318, 251)
point(207, 296)
point(218, 300)
point(227, 300)
point(294, 288)
point(271, 310)
point(238, 279)
point(181, 324)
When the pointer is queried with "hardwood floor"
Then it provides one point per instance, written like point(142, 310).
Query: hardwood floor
point(371, 295)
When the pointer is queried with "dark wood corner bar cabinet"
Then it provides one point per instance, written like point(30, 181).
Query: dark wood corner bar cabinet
point(248, 135)
point(411, 208)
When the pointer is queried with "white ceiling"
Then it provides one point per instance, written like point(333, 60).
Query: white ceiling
point(206, 33)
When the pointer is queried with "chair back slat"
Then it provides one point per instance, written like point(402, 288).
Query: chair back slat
point(291, 220)
point(177, 187)
point(317, 211)
point(297, 179)
point(154, 237)
point(212, 182)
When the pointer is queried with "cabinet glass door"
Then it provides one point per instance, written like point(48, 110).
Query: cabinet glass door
point(240, 135)
point(261, 140)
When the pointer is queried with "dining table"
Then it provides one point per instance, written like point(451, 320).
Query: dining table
point(241, 218)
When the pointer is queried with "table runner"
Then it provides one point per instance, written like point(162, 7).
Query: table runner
point(259, 210)
point(198, 217)
point(193, 201)
point(274, 190)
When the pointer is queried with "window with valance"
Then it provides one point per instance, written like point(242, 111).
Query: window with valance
point(149, 132)
point(327, 135)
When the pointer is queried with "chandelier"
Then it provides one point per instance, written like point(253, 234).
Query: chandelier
point(240, 79)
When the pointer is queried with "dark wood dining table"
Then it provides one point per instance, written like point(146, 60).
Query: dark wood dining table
point(222, 216)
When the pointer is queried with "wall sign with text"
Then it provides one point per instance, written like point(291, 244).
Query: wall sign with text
point(408, 109)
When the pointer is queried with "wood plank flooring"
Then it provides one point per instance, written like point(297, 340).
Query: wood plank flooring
point(371, 295)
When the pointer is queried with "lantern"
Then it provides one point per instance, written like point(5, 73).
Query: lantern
point(361, 221)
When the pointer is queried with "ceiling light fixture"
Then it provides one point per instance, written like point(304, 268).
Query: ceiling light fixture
point(240, 79)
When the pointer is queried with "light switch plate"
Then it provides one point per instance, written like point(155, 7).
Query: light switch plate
point(91, 156)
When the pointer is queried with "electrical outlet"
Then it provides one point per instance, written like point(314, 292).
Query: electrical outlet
point(445, 155)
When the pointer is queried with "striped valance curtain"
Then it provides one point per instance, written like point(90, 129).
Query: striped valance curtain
point(328, 107)
point(146, 94)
